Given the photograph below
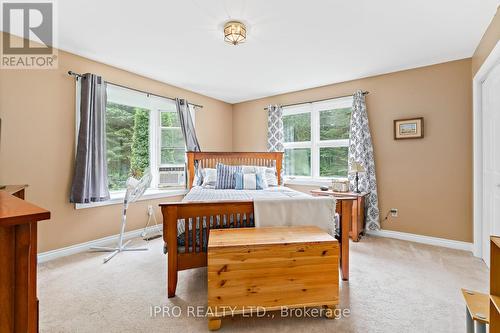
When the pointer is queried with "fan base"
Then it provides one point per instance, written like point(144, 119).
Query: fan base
point(116, 250)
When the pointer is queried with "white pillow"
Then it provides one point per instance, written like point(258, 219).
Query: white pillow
point(246, 169)
point(249, 169)
point(209, 177)
point(270, 176)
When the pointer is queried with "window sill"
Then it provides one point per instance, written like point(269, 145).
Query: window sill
point(306, 181)
point(150, 194)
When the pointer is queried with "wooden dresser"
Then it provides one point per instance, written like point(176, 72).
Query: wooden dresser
point(18, 263)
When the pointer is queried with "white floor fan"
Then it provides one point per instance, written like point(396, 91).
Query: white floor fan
point(135, 189)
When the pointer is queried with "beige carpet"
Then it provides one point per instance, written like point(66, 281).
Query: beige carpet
point(395, 286)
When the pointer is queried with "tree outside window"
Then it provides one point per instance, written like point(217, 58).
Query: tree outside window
point(127, 140)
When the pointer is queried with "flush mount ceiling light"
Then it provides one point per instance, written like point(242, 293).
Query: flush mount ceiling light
point(235, 32)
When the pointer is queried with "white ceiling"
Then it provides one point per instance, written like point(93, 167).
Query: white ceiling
point(292, 45)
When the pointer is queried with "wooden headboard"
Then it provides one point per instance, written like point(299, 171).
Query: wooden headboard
point(210, 160)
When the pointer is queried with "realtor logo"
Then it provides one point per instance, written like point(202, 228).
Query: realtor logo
point(29, 35)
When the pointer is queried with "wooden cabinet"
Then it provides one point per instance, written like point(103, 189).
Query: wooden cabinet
point(358, 209)
point(18, 250)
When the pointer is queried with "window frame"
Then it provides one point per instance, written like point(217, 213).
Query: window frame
point(159, 129)
point(155, 105)
point(316, 143)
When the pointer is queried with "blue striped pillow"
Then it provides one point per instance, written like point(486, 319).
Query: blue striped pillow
point(225, 176)
point(249, 181)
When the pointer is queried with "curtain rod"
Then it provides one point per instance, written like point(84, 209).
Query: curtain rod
point(320, 100)
point(77, 76)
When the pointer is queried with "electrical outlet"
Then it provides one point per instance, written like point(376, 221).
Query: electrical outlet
point(394, 212)
point(150, 210)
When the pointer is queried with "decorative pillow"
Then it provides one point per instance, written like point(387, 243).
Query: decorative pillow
point(209, 177)
point(271, 177)
point(225, 176)
point(248, 181)
point(261, 181)
point(249, 169)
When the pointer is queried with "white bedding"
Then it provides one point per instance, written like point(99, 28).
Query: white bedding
point(199, 193)
point(313, 211)
point(274, 206)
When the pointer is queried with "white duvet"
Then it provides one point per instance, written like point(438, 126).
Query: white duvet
point(274, 206)
point(199, 193)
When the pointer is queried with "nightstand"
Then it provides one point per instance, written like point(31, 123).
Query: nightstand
point(358, 209)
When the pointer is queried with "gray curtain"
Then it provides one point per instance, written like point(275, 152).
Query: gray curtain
point(275, 128)
point(90, 180)
point(361, 151)
point(189, 134)
point(187, 125)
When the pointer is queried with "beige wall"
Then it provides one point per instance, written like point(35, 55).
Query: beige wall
point(37, 108)
point(428, 180)
point(487, 43)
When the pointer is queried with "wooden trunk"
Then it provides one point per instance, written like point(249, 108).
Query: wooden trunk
point(268, 268)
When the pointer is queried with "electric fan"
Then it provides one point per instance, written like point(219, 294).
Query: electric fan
point(135, 188)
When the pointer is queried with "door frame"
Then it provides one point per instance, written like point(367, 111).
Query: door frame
point(477, 82)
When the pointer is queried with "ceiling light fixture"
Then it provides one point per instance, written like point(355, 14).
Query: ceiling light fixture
point(235, 32)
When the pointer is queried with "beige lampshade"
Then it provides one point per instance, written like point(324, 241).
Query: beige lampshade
point(356, 167)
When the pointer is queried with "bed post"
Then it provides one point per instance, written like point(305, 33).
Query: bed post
point(190, 165)
point(279, 165)
point(345, 223)
point(170, 237)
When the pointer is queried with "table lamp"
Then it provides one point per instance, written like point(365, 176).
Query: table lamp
point(357, 168)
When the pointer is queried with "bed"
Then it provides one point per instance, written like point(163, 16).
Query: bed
point(186, 224)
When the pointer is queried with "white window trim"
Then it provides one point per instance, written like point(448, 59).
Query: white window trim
point(154, 144)
point(308, 181)
point(315, 144)
point(159, 129)
point(154, 105)
point(117, 197)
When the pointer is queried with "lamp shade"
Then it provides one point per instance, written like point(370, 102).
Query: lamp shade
point(356, 167)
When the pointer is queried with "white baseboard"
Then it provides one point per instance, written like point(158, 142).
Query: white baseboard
point(82, 247)
point(443, 242)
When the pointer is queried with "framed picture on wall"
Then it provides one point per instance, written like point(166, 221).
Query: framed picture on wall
point(409, 128)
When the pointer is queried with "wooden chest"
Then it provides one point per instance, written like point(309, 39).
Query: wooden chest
point(255, 269)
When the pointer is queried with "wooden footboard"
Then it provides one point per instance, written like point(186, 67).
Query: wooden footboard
point(199, 217)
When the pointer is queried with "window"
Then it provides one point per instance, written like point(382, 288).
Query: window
point(127, 140)
point(143, 131)
point(316, 139)
point(172, 146)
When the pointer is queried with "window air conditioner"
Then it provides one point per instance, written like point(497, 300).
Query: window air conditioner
point(173, 176)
